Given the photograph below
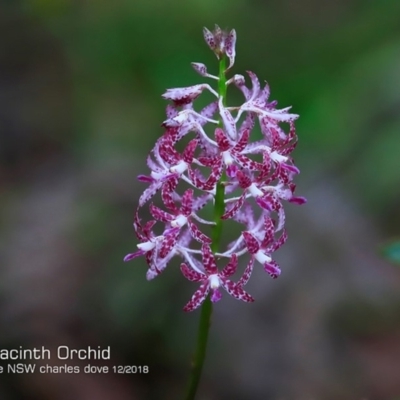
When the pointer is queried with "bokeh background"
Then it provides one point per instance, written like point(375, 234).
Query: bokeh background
point(80, 107)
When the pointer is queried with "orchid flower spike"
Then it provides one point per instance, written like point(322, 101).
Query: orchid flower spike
point(210, 156)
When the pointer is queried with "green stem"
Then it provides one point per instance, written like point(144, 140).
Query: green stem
point(219, 208)
point(200, 355)
point(222, 79)
point(206, 308)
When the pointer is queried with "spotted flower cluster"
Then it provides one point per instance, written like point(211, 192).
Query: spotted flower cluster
point(203, 150)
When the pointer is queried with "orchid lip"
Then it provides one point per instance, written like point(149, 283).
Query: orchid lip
point(262, 258)
point(179, 221)
point(146, 246)
point(278, 157)
point(179, 168)
point(228, 160)
point(255, 191)
point(156, 175)
point(214, 281)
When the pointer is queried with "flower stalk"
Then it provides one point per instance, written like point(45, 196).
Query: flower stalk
point(201, 348)
point(206, 308)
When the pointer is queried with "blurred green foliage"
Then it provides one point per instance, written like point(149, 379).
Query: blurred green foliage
point(392, 252)
point(337, 63)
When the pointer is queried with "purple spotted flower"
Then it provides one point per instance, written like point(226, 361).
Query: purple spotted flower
point(202, 150)
point(181, 217)
point(212, 280)
point(261, 250)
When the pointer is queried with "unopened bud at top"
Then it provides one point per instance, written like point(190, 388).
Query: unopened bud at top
point(221, 43)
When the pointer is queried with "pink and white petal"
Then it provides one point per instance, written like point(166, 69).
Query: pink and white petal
point(249, 215)
point(208, 260)
point(240, 83)
point(247, 273)
point(266, 169)
point(201, 201)
point(248, 123)
point(216, 173)
point(197, 234)
point(275, 200)
point(269, 230)
point(209, 38)
point(231, 267)
point(131, 256)
point(231, 170)
point(157, 266)
point(287, 150)
point(298, 200)
point(198, 297)
point(247, 163)
point(244, 180)
point(255, 85)
point(272, 177)
point(145, 178)
point(280, 115)
point(235, 207)
point(152, 165)
point(159, 214)
point(272, 268)
point(208, 111)
point(185, 238)
point(149, 256)
point(236, 244)
point(188, 153)
point(210, 183)
point(184, 95)
point(278, 243)
point(200, 68)
point(138, 227)
point(237, 291)
point(230, 43)
point(275, 136)
point(251, 242)
point(228, 121)
point(281, 219)
point(222, 140)
point(169, 242)
point(245, 216)
point(171, 111)
point(147, 229)
point(152, 273)
point(284, 175)
point(216, 295)
point(265, 93)
point(149, 192)
point(160, 166)
point(291, 168)
point(190, 274)
point(266, 202)
point(257, 146)
point(153, 270)
point(195, 177)
point(187, 202)
point(167, 194)
point(207, 145)
point(241, 144)
point(167, 151)
point(207, 161)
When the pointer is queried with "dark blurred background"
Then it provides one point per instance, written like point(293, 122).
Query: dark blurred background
point(80, 107)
